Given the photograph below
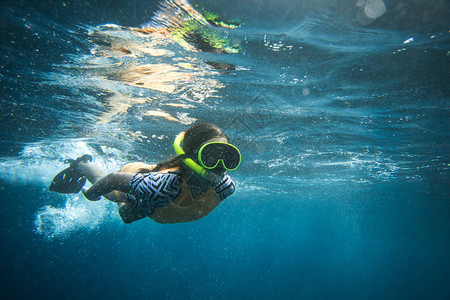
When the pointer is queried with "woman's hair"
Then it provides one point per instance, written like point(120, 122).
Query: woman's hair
point(198, 134)
point(194, 138)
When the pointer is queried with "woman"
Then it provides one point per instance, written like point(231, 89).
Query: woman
point(183, 189)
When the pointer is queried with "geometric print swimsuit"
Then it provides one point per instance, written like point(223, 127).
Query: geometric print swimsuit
point(152, 190)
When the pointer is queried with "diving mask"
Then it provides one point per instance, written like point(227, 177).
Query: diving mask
point(210, 155)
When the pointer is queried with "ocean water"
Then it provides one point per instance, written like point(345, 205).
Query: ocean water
point(341, 110)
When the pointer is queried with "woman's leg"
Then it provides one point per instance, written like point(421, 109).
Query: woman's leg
point(91, 171)
point(117, 181)
point(104, 184)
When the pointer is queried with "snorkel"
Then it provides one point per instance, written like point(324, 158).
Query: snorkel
point(191, 164)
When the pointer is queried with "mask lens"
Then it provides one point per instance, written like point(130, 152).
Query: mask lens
point(231, 158)
point(211, 154)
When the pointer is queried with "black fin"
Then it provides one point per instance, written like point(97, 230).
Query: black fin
point(70, 181)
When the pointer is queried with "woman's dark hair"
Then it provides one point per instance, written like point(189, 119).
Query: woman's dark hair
point(198, 134)
point(194, 138)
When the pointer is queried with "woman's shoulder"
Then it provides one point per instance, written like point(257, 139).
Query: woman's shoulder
point(137, 167)
point(140, 167)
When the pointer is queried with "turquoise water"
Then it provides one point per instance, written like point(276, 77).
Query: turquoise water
point(340, 109)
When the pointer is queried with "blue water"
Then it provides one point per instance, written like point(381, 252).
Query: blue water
point(341, 110)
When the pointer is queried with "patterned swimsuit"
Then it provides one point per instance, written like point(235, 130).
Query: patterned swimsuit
point(153, 190)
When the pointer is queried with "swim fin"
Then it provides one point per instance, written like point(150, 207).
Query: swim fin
point(70, 180)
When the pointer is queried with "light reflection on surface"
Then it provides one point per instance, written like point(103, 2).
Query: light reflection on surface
point(159, 57)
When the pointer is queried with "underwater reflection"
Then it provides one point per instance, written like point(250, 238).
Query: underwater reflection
point(161, 57)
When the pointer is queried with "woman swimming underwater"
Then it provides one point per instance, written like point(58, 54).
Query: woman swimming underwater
point(182, 189)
